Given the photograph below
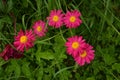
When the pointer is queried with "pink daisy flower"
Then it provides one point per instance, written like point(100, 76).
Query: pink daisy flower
point(9, 53)
point(75, 45)
point(55, 18)
point(24, 40)
point(39, 28)
point(86, 56)
point(72, 19)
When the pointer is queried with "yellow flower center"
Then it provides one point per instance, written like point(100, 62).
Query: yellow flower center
point(55, 18)
point(72, 19)
point(75, 45)
point(23, 39)
point(84, 54)
point(39, 28)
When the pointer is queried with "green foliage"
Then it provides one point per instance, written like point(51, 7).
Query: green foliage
point(116, 66)
point(48, 60)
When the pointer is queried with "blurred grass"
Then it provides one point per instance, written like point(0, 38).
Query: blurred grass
point(100, 28)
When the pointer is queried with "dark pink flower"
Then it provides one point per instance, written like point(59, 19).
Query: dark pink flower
point(75, 44)
point(24, 40)
point(86, 56)
point(72, 19)
point(39, 28)
point(55, 18)
point(9, 52)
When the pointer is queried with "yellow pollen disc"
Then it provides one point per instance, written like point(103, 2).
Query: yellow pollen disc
point(72, 19)
point(39, 28)
point(23, 39)
point(55, 18)
point(84, 54)
point(75, 45)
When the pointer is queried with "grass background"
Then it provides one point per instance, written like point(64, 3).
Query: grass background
point(48, 60)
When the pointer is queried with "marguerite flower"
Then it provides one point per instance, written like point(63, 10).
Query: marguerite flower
point(55, 18)
point(24, 40)
point(86, 56)
point(39, 28)
point(72, 19)
point(75, 45)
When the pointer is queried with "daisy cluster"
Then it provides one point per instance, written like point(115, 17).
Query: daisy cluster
point(76, 46)
point(71, 19)
point(81, 51)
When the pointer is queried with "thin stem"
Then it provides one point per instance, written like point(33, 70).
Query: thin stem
point(71, 32)
point(62, 71)
point(61, 33)
point(14, 21)
point(53, 36)
point(111, 73)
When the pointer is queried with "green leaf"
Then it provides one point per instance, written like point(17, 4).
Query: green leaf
point(9, 69)
point(63, 70)
point(44, 55)
point(90, 78)
point(46, 77)
point(6, 19)
point(59, 48)
point(16, 68)
point(109, 77)
point(26, 70)
point(59, 39)
point(9, 5)
point(13, 68)
point(47, 55)
point(39, 73)
point(108, 59)
point(37, 55)
point(25, 3)
point(31, 4)
point(65, 75)
point(77, 76)
point(116, 66)
point(96, 66)
point(50, 5)
point(1, 6)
